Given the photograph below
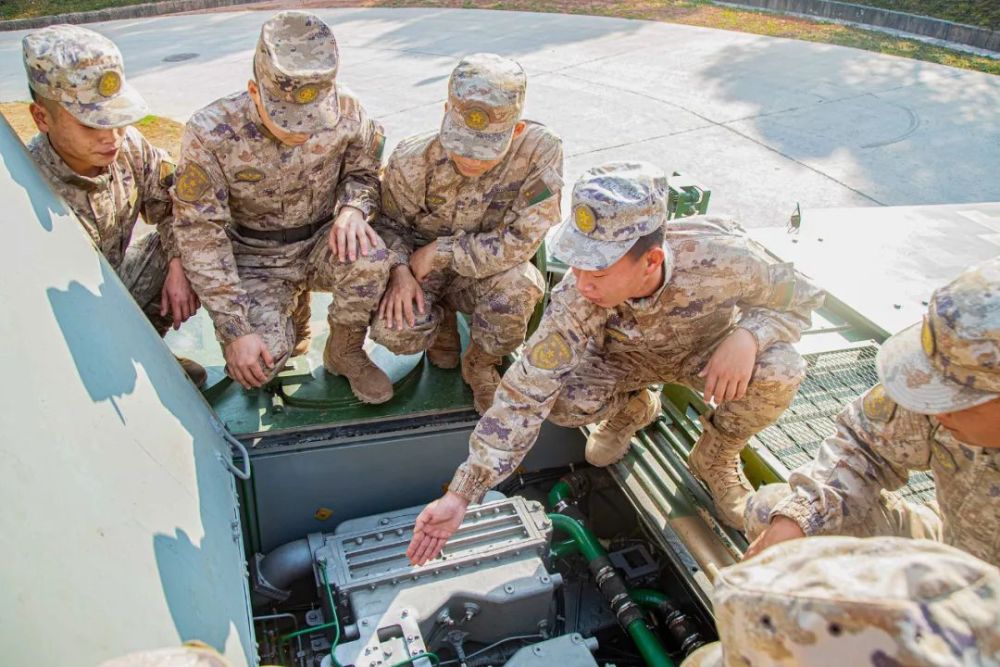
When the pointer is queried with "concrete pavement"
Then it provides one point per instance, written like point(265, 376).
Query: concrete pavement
point(763, 122)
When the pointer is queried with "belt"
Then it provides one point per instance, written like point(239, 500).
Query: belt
point(290, 235)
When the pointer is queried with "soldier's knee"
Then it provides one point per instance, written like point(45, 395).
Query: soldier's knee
point(757, 515)
point(405, 341)
point(780, 364)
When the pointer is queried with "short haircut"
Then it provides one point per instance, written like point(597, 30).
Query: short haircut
point(644, 244)
point(43, 101)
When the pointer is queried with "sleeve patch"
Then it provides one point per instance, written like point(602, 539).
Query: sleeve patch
point(782, 285)
point(167, 171)
point(192, 184)
point(877, 405)
point(551, 353)
point(379, 145)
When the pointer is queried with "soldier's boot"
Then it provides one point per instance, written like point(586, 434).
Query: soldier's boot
point(480, 370)
point(300, 318)
point(344, 354)
point(716, 462)
point(611, 438)
point(446, 349)
point(195, 371)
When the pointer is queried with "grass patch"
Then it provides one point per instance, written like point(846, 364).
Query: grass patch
point(26, 9)
point(162, 132)
point(982, 13)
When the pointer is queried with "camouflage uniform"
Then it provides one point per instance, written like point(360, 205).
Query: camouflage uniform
point(584, 361)
point(236, 180)
point(878, 442)
point(487, 228)
point(885, 602)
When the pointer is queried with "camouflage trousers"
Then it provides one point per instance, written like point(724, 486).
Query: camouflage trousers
point(890, 516)
point(275, 277)
point(500, 307)
point(143, 270)
point(601, 385)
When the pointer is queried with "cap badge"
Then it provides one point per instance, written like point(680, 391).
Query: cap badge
point(476, 119)
point(927, 338)
point(109, 84)
point(306, 94)
point(585, 219)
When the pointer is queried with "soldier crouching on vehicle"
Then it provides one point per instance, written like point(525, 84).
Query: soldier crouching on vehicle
point(691, 301)
point(936, 408)
point(105, 170)
point(275, 189)
point(464, 211)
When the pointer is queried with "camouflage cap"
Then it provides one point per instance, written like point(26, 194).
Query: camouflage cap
point(485, 98)
point(951, 361)
point(84, 72)
point(832, 601)
point(613, 206)
point(295, 66)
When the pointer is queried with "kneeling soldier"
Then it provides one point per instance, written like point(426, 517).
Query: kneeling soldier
point(464, 211)
point(275, 189)
point(693, 301)
point(105, 169)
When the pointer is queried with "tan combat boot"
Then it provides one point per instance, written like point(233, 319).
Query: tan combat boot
point(480, 372)
point(300, 318)
point(610, 440)
point(344, 354)
point(444, 352)
point(195, 371)
point(717, 463)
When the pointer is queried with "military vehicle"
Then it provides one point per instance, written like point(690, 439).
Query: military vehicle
point(272, 524)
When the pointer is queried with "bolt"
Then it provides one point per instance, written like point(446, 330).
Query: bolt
point(383, 521)
point(379, 536)
point(404, 614)
point(359, 540)
point(897, 306)
point(365, 622)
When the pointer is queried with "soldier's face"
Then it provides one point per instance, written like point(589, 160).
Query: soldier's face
point(628, 278)
point(471, 168)
point(979, 426)
point(85, 150)
point(284, 136)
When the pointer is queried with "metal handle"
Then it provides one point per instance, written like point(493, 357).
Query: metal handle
point(243, 474)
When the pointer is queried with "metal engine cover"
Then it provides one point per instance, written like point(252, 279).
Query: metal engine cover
point(489, 583)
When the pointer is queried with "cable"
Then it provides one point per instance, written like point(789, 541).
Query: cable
point(335, 623)
point(426, 654)
point(492, 646)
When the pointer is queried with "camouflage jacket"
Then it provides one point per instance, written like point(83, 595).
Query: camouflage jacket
point(483, 226)
point(233, 171)
point(720, 278)
point(876, 446)
point(137, 182)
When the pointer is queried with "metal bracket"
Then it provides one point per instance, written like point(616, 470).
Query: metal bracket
point(243, 474)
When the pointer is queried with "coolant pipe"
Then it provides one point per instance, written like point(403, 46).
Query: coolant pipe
point(612, 586)
point(276, 571)
point(680, 627)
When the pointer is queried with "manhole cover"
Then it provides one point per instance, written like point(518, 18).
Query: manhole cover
point(178, 57)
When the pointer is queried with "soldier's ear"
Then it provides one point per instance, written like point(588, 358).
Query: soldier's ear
point(654, 259)
point(519, 128)
point(41, 116)
point(252, 89)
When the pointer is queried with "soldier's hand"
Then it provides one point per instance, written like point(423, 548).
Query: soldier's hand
point(730, 368)
point(243, 360)
point(435, 525)
point(351, 234)
point(422, 260)
point(781, 529)
point(396, 306)
point(177, 299)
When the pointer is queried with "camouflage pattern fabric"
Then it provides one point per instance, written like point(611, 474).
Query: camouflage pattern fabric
point(84, 72)
point(487, 230)
point(232, 170)
point(108, 206)
point(581, 353)
point(295, 66)
point(876, 445)
point(885, 602)
point(485, 99)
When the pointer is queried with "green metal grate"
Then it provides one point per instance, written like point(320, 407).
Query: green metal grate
point(833, 380)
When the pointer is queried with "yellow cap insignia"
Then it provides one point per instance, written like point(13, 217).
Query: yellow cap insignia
point(306, 94)
point(109, 84)
point(927, 338)
point(476, 119)
point(877, 405)
point(249, 175)
point(585, 219)
point(192, 184)
point(551, 353)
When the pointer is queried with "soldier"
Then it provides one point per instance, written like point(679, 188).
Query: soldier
point(694, 301)
point(884, 602)
point(275, 191)
point(937, 408)
point(475, 200)
point(105, 170)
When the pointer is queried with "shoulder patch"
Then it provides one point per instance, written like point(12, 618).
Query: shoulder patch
point(551, 353)
point(249, 175)
point(192, 184)
point(537, 192)
point(379, 144)
point(877, 405)
point(167, 171)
